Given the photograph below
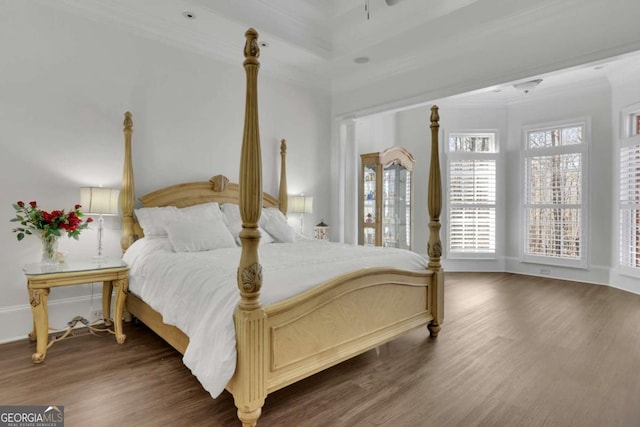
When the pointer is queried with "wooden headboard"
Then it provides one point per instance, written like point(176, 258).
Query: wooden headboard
point(217, 189)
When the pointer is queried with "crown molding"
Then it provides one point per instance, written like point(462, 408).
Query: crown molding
point(305, 23)
point(165, 24)
point(431, 50)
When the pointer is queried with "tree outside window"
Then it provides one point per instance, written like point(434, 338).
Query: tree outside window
point(554, 197)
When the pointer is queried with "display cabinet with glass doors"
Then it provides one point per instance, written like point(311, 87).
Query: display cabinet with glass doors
point(385, 199)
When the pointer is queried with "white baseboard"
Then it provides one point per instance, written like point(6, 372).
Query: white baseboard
point(624, 282)
point(17, 321)
point(596, 274)
point(474, 265)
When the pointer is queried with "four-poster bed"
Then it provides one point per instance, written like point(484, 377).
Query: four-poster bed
point(284, 341)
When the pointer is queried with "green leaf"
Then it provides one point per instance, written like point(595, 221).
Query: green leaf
point(15, 219)
point(20, 236)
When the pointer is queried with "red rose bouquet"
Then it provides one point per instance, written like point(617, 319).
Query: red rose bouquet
point(34, 220)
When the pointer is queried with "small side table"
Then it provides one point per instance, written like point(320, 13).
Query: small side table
point(42, 277)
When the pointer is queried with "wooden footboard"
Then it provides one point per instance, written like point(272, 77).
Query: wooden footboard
point(340, 319)
point(327, 324)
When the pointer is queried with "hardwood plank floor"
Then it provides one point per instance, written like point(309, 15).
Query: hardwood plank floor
point(514, 351)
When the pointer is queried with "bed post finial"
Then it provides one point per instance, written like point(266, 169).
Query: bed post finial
point(251, 47)
point(127, 190)
point(283, 198)
point(250, 383)
point(434, 246)
point(128, 122)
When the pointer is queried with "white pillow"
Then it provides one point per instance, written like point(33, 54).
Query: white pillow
point(233, 220)
point(203, 211)
point(199, 236)
point(153, 220)
point(275, 223)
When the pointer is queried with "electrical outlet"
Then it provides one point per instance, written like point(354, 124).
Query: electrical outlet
point(545, 271)
point(96, 314)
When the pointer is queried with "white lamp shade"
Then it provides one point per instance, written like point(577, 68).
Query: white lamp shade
point(300, 204)
point(99, 200)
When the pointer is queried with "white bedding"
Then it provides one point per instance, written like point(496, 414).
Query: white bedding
point(197, 292)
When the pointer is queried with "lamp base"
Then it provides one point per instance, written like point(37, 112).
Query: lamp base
point(100, 258)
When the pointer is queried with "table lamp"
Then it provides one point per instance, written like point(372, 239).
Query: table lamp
point(301, 204)
point(99, 201)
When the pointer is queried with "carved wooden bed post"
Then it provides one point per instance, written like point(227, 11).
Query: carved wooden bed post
point(283, 201)
point(249, 384)
point(434, 246)
point(126, 192)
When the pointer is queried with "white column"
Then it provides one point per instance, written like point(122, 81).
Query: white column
point(342, 182)
point(351, 167)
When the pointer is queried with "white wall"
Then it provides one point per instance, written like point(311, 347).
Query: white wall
point(413, 133)
point(376, 133)
point(66, 83)
point(585, 102)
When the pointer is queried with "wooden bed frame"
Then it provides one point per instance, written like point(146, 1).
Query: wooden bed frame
point(284, 342)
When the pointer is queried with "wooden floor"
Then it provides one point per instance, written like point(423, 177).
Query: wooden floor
point(514, 351)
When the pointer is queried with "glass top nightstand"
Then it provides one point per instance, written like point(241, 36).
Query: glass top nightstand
point(37, 268)
point(42, 277)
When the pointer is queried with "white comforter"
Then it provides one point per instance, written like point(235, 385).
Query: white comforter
point(197, 292)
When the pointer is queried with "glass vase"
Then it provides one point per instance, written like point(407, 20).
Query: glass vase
point(49, 248)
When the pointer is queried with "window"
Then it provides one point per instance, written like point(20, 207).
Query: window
point(554, 209)
point(471, 172)
point(629, 193)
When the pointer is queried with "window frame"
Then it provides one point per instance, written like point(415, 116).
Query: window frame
point(629, 137)
point(585, 249)
point(454, 156)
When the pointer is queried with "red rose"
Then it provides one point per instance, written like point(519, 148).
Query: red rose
point(21, 204)
point(72, 222)
point(89, 219)
point(77, 207)
point(33, 204)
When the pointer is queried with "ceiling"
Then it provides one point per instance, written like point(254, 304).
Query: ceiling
point(315, 42)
